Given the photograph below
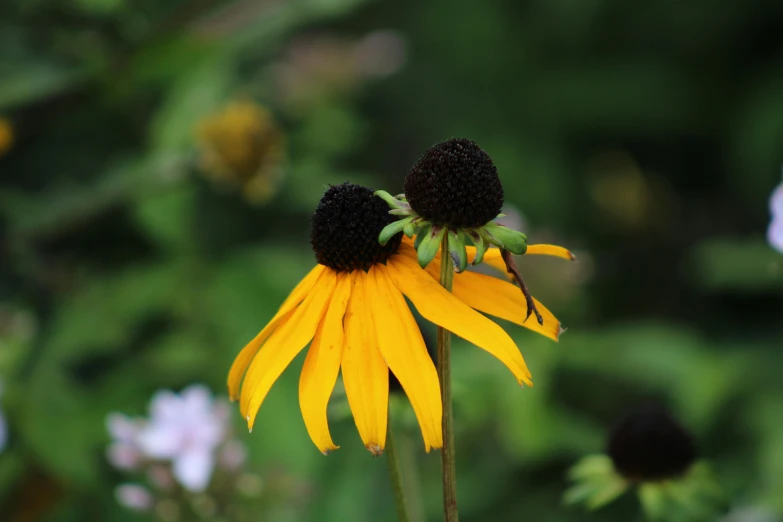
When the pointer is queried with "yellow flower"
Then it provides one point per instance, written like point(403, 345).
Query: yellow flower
point(352, 307)
point(242, 145)
point(6, 135)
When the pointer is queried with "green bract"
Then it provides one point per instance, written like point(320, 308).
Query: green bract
point(429, 235)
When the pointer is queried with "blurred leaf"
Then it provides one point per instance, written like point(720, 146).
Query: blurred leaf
point(197, 93)
point(31, 81)
point(737, 264)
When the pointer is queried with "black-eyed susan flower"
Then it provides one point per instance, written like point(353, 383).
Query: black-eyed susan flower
point(351, 309)
point(651, 450)
point(243, 146)
point(6, 135)
point(453, 190)
point(454, 194)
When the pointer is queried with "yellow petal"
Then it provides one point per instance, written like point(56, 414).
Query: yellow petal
point(501, 299)
point(492, 257)
point(403, 348)
point(281, 348)
point(444, 309)
point(322, 366)
point(550, 250)
point(365, 374)
point(242, 361)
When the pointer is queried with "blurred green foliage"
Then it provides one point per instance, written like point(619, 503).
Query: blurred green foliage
point(644, 136)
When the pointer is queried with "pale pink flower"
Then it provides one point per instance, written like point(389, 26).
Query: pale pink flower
point(3, 425)
point(185, 429)
point(775, 230)
point(134, 496)
point(124, 452)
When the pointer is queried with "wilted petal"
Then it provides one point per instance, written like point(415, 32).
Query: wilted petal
point(193, 469)
point(133, 496)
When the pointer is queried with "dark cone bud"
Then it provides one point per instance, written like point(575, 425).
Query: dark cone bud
point(455, 184)
point(345, 229)
point(650, 445)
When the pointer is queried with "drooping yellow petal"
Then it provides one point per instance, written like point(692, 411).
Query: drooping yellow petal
point(322, 365)
point(281, 348)
point(403, 348)
point(493, 256)
point(501, 299)
point(242, 361)
point(365, 373)
point(444, 309)
point(550, 250)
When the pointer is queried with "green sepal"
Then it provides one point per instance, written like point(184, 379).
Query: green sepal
point(410, 229)
point(504, 237)
point(388, 198)
point(481, 243)
point(392, 229)
point(429, 245)
point(400, 212)
point(423, 231)
point(457, 250)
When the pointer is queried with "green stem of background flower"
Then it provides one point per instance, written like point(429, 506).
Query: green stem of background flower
point(395, 476)
point(448, 465)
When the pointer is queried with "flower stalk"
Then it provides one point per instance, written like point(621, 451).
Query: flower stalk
point(395, 476)
point(448, 462)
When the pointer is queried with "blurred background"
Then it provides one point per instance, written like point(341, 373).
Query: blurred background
point(159, 163)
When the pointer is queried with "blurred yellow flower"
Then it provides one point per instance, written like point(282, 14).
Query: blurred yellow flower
point(6, 135)
point(241, 145)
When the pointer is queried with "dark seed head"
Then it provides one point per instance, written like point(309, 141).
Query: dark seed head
point(455, 184)
point(345, 229)
point(651, 445)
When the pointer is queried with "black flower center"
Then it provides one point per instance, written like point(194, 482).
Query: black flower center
point(456, 184)
point(345, 229)
point(651, 445)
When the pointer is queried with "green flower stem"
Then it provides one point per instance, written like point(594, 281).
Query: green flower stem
point(406, 449)
point(395, 476)
point(448, 465)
